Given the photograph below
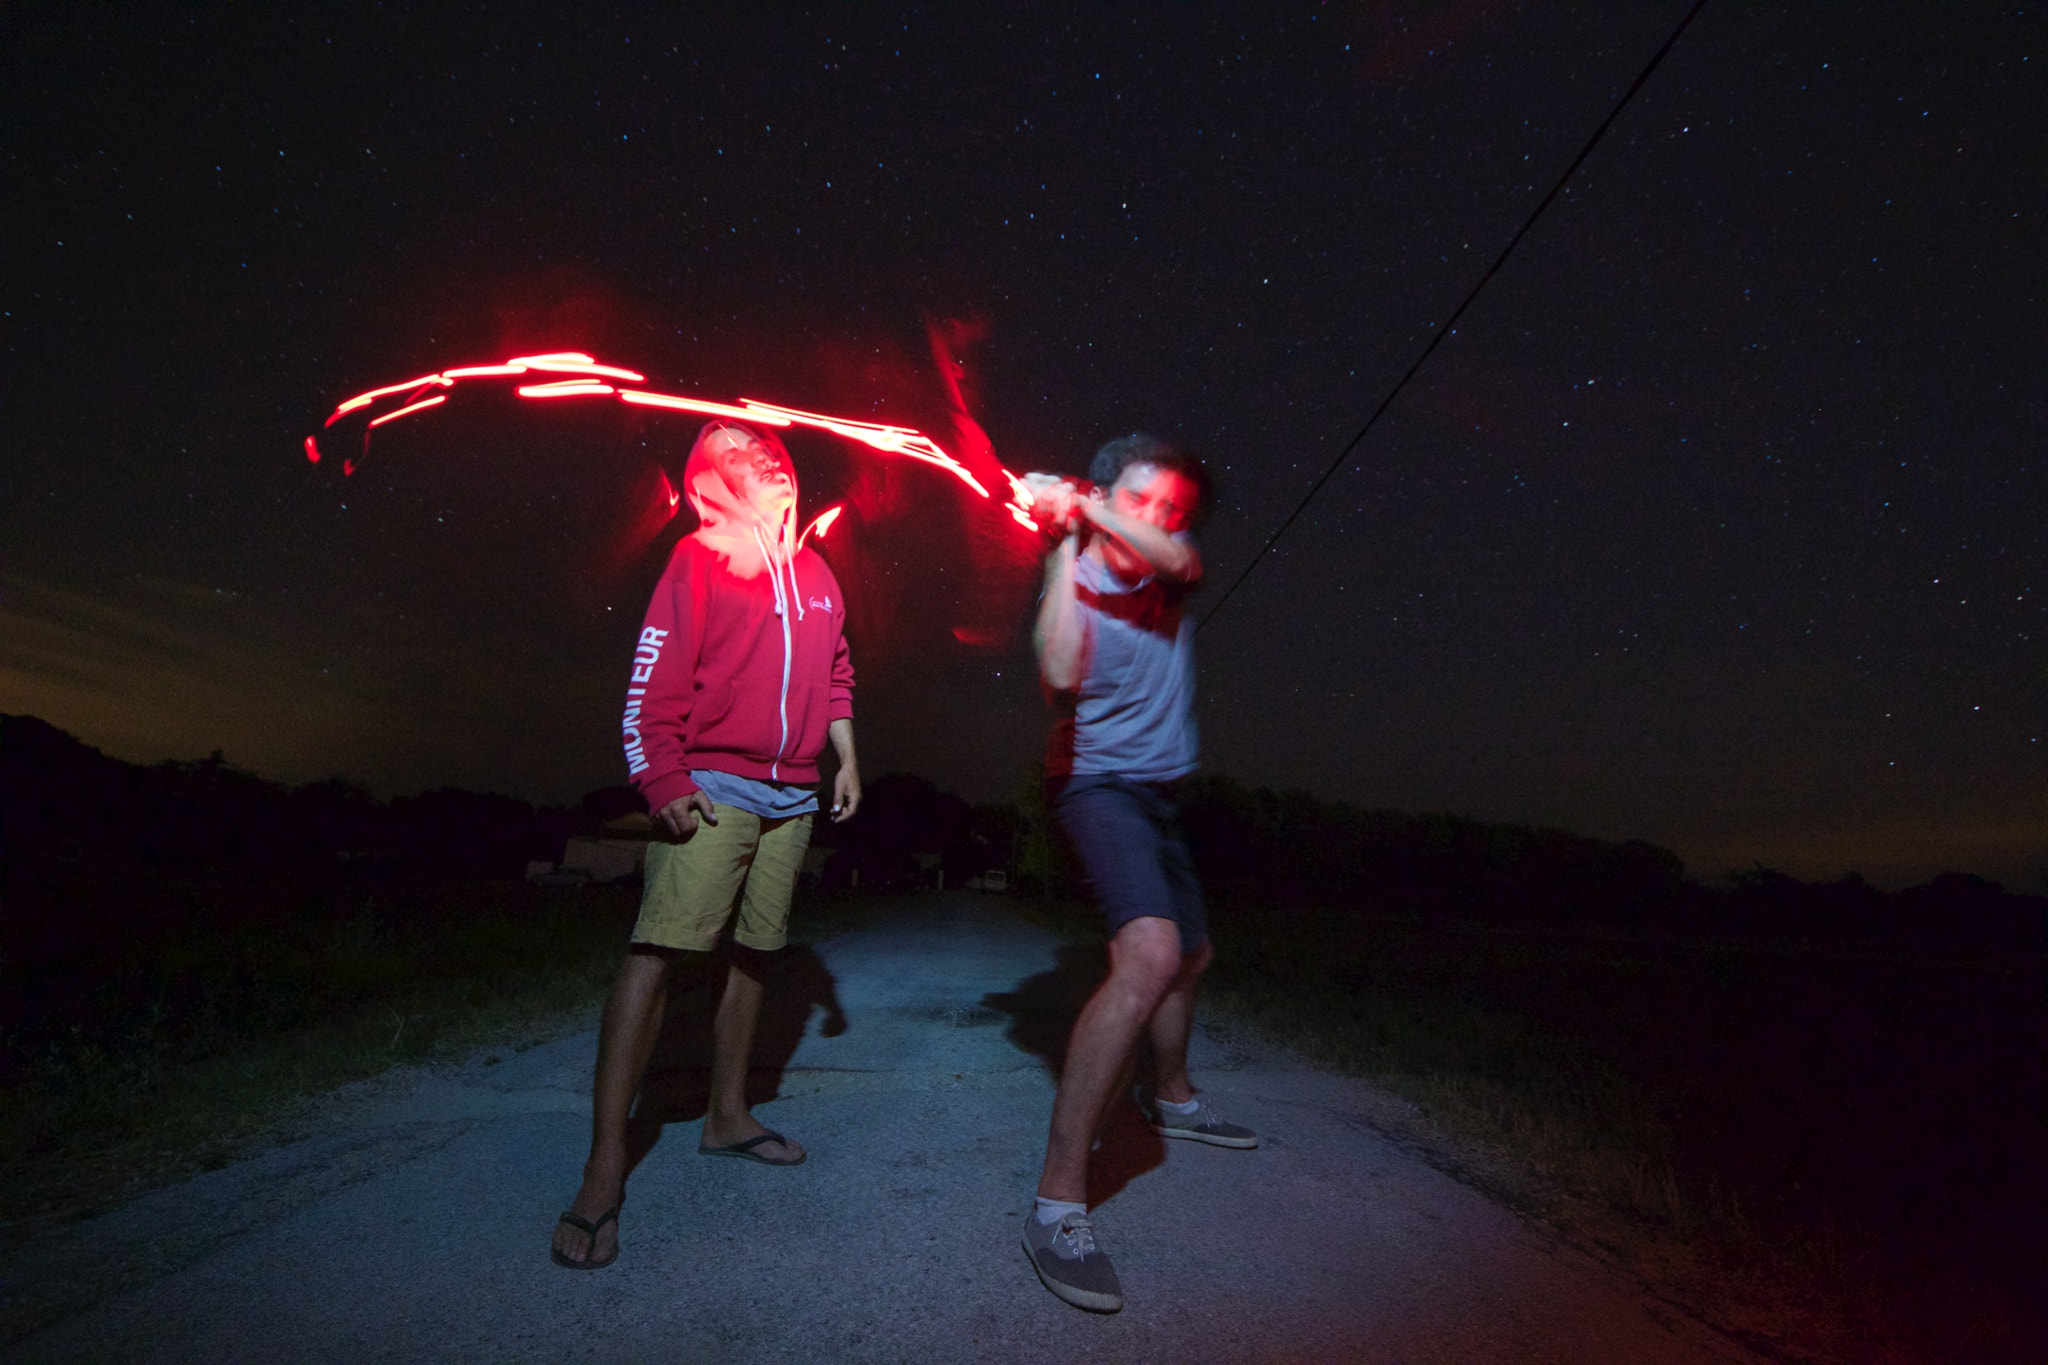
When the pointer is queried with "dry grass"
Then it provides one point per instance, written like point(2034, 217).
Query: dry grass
point(91, 1122)
point(1552, 1126)
point(1549, 1126)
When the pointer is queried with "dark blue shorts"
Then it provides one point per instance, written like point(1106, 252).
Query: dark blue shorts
point(1129, 840)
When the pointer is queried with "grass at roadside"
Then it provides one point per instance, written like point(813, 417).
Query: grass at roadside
point(1654, 1101)
point(1482, 1072)
point(1710, 1115)
point(1546, 1103)
point(88, 1121)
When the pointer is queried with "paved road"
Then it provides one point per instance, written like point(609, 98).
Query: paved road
point(912, 1058)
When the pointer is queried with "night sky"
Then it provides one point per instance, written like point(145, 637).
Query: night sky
point(1717, 523)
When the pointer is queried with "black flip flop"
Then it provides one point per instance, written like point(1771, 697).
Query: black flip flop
point(585, 1226)
point(745, 1150)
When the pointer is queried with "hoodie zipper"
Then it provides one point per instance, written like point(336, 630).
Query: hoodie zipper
point(782, 611)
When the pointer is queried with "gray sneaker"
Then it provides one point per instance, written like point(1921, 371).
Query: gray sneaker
point(1066, 1258)
point(1204, 1125)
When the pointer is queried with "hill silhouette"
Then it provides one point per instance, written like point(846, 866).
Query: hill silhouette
point(103, 863)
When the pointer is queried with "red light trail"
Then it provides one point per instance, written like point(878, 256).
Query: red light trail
point(408, 409)
point(705, 406)
point(564, 388)
point(823, 524)
point(587, 380)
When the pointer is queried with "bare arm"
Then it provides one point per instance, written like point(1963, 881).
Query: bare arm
point(1175, 561)
point(846, 786)
point(1060, 637)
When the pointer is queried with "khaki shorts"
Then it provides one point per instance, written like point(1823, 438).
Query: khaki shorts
point(692, 885)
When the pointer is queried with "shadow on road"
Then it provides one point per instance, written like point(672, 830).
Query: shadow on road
point(677, 1087)
point(1042, 1010)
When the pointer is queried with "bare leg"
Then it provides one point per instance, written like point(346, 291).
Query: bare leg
point(1171, 1024)
point(728, 1119)
point(1144, 962)
point(625, 1040)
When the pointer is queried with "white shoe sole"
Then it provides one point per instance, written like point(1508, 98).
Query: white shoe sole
point(1080, 1298)
point(1190, 1135)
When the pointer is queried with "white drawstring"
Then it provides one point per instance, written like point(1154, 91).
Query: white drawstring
point(789, 558)
point(788, 647)
point(774, 573)
point(794, 594)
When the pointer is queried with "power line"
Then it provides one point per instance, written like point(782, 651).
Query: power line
point(1344, 455)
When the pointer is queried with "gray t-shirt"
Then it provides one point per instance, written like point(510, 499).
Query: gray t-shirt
point(1134, 714)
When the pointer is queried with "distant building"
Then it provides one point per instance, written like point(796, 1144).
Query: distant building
point(617, 854)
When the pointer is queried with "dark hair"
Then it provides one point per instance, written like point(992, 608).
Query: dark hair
point(1137, 448)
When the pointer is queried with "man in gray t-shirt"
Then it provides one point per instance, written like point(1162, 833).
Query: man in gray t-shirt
point(1134, 711)
point(1116, 655)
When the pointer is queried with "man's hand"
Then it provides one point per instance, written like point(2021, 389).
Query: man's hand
point(1152, 548)
point(1055, 502)
point(680, 815)
point(846, 786)
point(845, 793)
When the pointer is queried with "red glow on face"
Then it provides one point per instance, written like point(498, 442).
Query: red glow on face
point(312, 451)
point(408, 409)
point(1166, 498)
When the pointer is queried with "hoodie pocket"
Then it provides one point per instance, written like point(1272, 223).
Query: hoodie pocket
point(714, 704)
point(809, 704)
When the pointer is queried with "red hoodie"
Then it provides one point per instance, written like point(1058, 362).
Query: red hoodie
point(742, 659)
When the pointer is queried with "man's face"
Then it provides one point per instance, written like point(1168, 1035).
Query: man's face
point(753, 471)
point(1165, 498)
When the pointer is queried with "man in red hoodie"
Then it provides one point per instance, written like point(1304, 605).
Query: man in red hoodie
point(740, 676)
